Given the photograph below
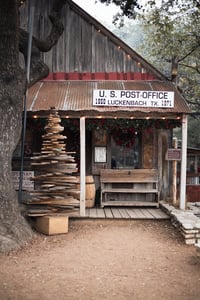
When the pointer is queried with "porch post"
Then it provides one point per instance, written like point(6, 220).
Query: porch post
point(82, 166)
point(174, 178)
point(182, 204)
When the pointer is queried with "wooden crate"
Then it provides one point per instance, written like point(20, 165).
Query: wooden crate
point(51, 225)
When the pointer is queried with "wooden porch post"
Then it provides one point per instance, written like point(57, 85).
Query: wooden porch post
point(82, 166)
point(174, 179)
point(182, 204)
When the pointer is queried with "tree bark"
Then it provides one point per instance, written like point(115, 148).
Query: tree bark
point(14, 230)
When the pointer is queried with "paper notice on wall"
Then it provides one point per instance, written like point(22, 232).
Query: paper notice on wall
point(28, 184)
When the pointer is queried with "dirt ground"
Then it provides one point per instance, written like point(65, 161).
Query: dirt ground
point(104, 260)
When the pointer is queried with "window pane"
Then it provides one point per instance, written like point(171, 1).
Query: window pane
point(123, 156)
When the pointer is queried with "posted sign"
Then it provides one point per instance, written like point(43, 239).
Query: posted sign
point(132, 98)
point(28, 185)
point(173, 154)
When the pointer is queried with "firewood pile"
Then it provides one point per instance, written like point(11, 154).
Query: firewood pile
point(54, 174)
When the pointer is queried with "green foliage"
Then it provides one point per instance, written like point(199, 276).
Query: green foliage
point(193, 133)
point(172, 43)
point(169, 37)
point(131, 33)
point(109, 125)
point(128, 8)
point(194, 130)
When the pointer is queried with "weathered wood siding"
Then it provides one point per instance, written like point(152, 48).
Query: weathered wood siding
point(82, 47)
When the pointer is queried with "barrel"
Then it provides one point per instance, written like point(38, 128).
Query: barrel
point(90, 191)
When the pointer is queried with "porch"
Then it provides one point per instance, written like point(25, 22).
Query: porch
point(123, 213)
point(99, 142)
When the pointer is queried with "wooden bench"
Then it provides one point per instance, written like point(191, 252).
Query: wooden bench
point(134, 181)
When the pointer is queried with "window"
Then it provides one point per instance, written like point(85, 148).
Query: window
point(125, 156)
point(191, 163)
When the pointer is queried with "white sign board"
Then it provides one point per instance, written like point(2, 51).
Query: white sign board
point(132, 98)
point(100, 154)
point(28, 185)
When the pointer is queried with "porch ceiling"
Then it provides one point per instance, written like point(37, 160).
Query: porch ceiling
point(75, 97)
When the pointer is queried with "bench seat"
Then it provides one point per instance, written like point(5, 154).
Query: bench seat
point(134, 190)
point(134, 181)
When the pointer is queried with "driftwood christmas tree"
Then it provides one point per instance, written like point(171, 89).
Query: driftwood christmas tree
point(54, 173)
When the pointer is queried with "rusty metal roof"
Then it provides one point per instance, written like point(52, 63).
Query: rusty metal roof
point(75, 97)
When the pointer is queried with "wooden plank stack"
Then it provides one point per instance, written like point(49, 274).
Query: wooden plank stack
point(54, 170)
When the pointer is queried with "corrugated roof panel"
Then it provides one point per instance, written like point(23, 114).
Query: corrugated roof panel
point(48, 95)
point(110, 85)
point(180, 102)
point(33, 95)
point(137, 85)
point(77, 96)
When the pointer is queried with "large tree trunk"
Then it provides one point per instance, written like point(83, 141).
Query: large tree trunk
point(14, 230)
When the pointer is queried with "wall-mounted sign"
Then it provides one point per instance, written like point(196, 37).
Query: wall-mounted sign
point(173, 154)
point(132, 98)
point(28, 185)
point(99, 154)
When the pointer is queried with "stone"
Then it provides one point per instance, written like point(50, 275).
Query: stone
point(197, 225)
point(190, 241)
point(187, 226)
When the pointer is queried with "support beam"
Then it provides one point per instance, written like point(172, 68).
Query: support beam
point(182, 204)
point(82, 166)
point(174, 177)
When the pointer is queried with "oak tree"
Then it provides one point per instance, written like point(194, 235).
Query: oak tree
point(14, 230)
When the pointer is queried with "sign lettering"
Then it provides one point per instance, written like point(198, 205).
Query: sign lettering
point(131, 98)
point(28, 185)
point(173, 154)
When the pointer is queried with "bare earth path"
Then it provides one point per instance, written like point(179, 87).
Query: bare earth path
point(104, 260)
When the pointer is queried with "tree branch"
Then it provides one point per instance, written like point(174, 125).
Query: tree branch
point(53, 37)
point(38, 69)
point(189, 53)
point(190, 67)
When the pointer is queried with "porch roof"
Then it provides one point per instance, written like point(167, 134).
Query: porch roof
point(75, 97)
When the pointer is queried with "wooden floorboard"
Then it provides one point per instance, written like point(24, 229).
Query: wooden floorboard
point(146, 214)
point(156, 213)
point(93, 213)
point(132, 214)
point(125, 213)
point(139, 213)
point(116, 213)
point(87, 212)
point(100, 213)
point(162, 214)
point(108, 213)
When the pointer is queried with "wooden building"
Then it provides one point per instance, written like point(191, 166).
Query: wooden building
point(192, 175)
point(118, 110)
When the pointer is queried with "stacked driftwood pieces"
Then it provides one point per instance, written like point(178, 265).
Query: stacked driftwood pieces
point(56, 184)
